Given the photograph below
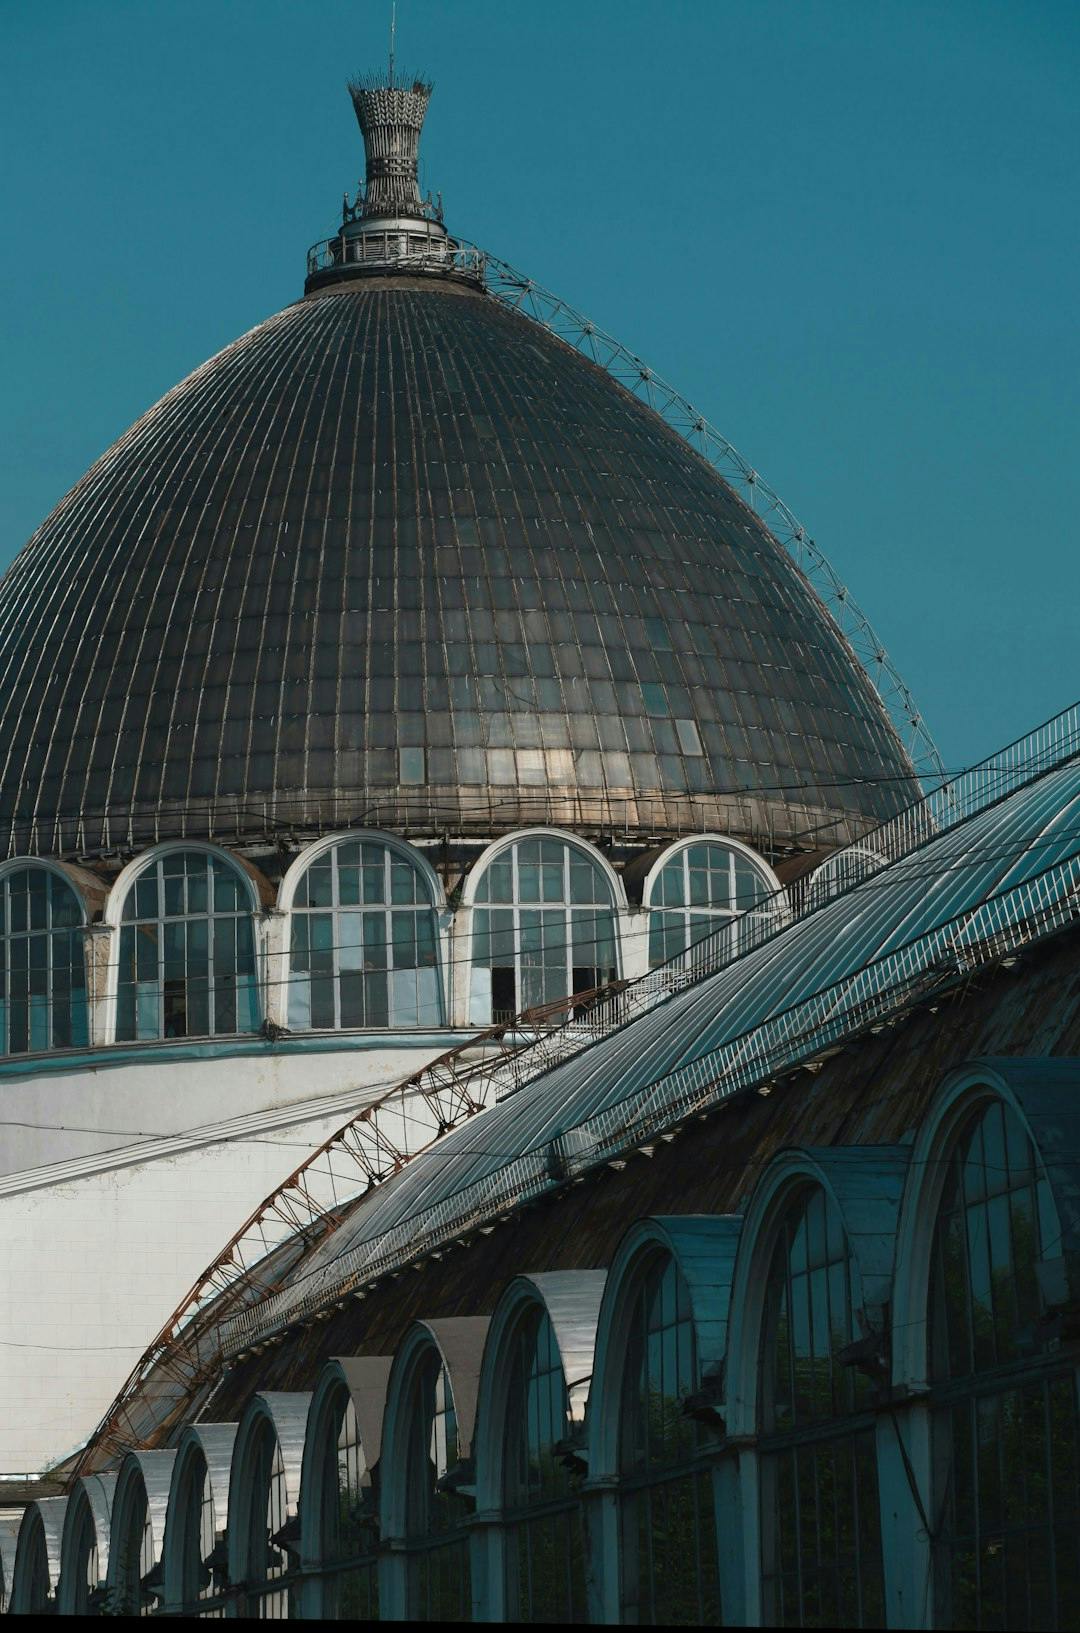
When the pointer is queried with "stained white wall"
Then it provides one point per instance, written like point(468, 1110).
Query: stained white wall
point(92, 1263)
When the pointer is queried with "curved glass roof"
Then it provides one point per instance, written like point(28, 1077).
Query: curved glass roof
point(399, 556)
point(1012, 867)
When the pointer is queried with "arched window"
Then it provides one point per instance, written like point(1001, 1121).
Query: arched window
point(1005, 1431)
point(267, 1512)
point(436, 1513)
point(364, 942)
point(820, 1523)
point(348, 1520)
point(543, 927)
point(32, 1587)
point(545, 1554)
point(132, 1555)
point(668, 1528)
point(697, 890)
point(78, 1593)
point(197, 1563)
point(44, 968)
point(842, 871)
point(187, 951)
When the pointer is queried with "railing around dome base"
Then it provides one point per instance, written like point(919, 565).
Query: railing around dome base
point(396, 249)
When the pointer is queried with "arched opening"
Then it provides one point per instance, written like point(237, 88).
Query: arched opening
point(436, 1512)
point(43, 992)
point(544, 927)
point(346, 1522)
point(195, 1570)
point(667, 1523)
point(698, 888)
point(187, 965)
point(1005, 1433)
point(265, 1511)
point(80, 1591)
point(131, 1556)
point(364, 941)
point(545, 1543)
point(821, 1560)
point(32, 1587)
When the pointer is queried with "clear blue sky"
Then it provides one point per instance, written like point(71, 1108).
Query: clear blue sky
point(846, 229)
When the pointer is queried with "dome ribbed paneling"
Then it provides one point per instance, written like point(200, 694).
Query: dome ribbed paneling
point(404, 517)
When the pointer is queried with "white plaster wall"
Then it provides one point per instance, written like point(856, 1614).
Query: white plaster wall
point(52, 1116)
point(91, 1267)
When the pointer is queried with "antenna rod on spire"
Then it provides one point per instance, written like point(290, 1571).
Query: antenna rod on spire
point(393, 31)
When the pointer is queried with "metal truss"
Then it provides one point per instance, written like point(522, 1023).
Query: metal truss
point(514, 289)
point(180, 1363)
point(269, 1248)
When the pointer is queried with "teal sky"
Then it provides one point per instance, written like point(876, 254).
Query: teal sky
point(846, 229)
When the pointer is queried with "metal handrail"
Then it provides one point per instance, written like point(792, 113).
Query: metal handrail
point(438, 254)
point(1000, 925)
point(368, 1148)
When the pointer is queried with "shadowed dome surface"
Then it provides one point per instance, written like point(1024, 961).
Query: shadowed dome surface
point(399, 556)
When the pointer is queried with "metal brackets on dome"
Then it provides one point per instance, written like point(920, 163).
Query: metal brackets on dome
point(529, 298)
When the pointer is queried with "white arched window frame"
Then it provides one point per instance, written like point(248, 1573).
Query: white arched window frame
point(367, 928)
point(428, 1494)
point(194, 1574)
point(264, 1491)
point(530, 1446)
point(989, 1233)
point(545, 923)
point(697, 886)
point(43, 991)
point(841, 872)
point(339, 1513)
point(186, 959)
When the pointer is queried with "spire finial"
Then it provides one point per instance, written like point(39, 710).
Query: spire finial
point(393, 32)
point(391, 116)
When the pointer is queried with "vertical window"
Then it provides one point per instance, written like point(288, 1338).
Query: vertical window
point(36, 1597)
point(668, 1528)
point(698, 890)
point(198, 1539)
point(83, 1565)
point(436, 1514)
point(267, 1597)
point(543, 928)
point(349, 1523)
point(364, 940)
point(187, 951)
point(1006, 1439)
point(44, 970)
point(545, 1563)
point(136, 1562)
point(820, 1523)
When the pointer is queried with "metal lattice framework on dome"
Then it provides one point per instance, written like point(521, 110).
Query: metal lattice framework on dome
point(530, 298)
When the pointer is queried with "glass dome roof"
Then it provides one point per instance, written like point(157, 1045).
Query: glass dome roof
point(399, 556)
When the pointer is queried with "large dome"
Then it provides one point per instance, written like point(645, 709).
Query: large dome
point(400, 556)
